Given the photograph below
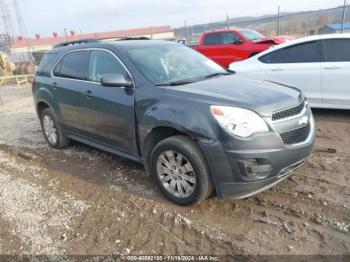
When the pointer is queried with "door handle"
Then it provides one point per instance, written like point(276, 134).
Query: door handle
point(332, 68)
point(277, 69)
point(88, 93)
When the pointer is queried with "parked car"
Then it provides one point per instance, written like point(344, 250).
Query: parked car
point(318, 65)
point(193, 125)
point(227, 46)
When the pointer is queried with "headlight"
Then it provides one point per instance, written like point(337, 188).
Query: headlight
point(237, 121)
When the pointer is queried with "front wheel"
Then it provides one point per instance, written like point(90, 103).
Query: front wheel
point(181, 171)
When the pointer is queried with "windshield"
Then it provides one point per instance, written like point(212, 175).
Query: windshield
point(251, 35)
point(168, 64)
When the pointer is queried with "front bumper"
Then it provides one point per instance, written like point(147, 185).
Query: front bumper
point(274, 162)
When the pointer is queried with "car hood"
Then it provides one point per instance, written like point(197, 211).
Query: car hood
point(263, 97)
point(271, 39)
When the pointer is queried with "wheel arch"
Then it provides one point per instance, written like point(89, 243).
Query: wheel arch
point(41, 106)
point(45, 99)
point(156, 135)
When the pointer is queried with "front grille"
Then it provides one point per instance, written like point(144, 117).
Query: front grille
point(296, 136)
point(288, 112)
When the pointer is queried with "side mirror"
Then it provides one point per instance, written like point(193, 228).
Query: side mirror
point(238, 42)
point(116, 80)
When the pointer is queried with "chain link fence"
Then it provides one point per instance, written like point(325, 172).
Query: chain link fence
point(296, 24)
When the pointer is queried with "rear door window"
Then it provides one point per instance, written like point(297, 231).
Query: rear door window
point(73, 65)
point(213, 39)
point(301, 53)
point(336, 50)
point(103, 62)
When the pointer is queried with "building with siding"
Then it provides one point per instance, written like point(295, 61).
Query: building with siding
point(21, 45)
point(334, 28)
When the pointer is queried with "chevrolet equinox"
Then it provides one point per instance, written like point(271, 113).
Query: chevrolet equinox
point(194, 126)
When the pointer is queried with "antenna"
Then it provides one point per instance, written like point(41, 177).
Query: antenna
point(6, 16)
point(20, 20)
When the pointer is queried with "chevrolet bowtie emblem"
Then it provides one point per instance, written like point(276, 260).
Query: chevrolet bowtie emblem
point(303, 121)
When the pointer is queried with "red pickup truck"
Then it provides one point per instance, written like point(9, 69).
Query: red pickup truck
point(227, 46)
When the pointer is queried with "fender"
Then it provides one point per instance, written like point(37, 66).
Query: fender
point(44, 95)
point(187, 117)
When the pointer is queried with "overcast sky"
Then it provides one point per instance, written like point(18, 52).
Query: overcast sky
point(47, 16)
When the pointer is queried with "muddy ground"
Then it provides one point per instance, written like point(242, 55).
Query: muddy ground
point(83, 201)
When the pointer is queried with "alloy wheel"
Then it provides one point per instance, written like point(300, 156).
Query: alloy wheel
point(176, 174)
point(50, 129)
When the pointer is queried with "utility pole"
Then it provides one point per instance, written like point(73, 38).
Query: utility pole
point(186, 31)
point(227, 22)
point(343, 19)
point(150, 32)
point(20, 20)
point(65, 34)
point(8, 26)
point(278, 20)
point(21, 28)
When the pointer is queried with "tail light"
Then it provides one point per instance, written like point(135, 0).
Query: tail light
point(33, 84)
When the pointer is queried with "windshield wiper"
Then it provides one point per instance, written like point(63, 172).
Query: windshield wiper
point(189, 81)
point(217, 74)
point(176, 83)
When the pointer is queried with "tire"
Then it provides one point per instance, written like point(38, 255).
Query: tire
point(196, 185)
point(60, 140)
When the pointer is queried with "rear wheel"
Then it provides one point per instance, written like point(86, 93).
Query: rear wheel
point(52, 130)
point(181, 171)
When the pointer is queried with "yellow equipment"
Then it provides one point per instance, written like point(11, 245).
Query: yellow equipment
point(6, 67)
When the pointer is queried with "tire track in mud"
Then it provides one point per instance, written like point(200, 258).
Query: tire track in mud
point(283, 220)
point(176, 236)
point(35, 211)
point(210, 226)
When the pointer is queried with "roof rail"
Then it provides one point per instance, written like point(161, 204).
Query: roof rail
point(76, 42)
point(134, 38)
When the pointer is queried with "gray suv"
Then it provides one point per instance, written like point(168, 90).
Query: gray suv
point(194, 126)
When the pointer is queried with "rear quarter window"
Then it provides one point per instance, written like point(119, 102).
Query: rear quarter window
point(46, 63)
point(336, 50)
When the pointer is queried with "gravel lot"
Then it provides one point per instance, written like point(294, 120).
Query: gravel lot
point(83, 201)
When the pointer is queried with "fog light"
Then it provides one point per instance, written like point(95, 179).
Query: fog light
point(254, 169)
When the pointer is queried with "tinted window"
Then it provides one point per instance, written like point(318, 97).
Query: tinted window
point(251, 35)
point(164, 63)
point(229, 38)
point(337, 50)
point(56, 71)
point(103, 62)
point(73, 65)
point(302, 53)
point(221, 38)
point(213, 39)
point(44, 68)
